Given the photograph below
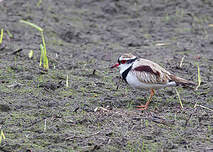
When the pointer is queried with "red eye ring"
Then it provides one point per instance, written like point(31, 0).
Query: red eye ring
point(123, 61)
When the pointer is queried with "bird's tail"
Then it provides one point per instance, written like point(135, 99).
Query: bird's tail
point(181, 81)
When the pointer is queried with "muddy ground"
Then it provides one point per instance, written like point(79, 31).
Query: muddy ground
point(38, 112)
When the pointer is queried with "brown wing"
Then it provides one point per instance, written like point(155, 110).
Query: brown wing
point(149, 72)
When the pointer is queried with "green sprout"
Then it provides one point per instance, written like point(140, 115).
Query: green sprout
point(2, 136)
point(43, 56)
point(9, 34)
point(1, 37)
point(39, 3)
point(30, 54)
point(67, 81)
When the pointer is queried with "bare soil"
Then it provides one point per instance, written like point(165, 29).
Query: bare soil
point(97, 111)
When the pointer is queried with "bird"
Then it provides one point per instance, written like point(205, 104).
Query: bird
point(145, 74)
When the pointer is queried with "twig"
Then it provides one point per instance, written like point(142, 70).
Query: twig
point(197, 105)
point(33, 123)
point(162, 121)
point(4, 150)
point(118, 83)
point(67, 81)
point(198, 77)
point(161, 44)
point(17, 51)
point(181, 62)
point(93, 73)
point(53, 59)
point(187, 120)
point(68, 138)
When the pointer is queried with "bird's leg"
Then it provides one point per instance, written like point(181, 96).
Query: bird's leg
point(144, 107)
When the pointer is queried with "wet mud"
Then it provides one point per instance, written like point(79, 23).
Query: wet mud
point(93, 110)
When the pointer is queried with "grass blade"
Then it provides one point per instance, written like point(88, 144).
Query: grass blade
point(45, 59)
point(42, 54)
point(181, 104)
point(32, 24)
point(9, 34)
point(2, 136)
point(1, 37)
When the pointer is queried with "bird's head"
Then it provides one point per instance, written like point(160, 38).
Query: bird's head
point(125, 61)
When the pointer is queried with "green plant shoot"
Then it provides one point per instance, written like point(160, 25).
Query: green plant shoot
point(30, 54)
point(181, 104)
point(45, 59)
point(9, 34)
point(39, 3)
point(2, 136)
point(1, 37)
point(43, 56)
point(67, 81)
point(31, 24)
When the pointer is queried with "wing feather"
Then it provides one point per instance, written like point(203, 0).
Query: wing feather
point(150, 72)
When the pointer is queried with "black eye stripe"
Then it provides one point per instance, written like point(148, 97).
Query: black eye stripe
point(127, 61)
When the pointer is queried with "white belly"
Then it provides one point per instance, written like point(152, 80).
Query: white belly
point(135, 83)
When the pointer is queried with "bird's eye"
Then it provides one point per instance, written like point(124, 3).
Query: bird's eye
point(123, 61)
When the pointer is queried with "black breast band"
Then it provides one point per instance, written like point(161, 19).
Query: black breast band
point(124, 74)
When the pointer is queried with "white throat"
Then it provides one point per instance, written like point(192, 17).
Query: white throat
point(124, 67)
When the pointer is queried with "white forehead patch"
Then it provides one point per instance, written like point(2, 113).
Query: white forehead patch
point(127, 56)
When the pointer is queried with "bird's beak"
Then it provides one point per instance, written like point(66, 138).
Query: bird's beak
point(116, 65)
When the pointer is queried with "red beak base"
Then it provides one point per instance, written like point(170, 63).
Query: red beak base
point(116, 65)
